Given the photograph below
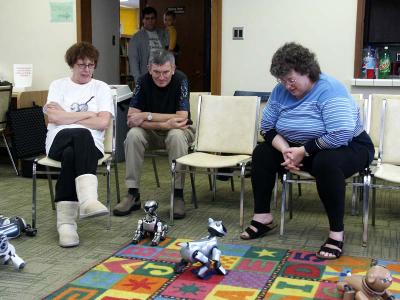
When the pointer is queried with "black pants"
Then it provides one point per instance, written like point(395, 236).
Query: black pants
point(329, 167)
point(78, 154)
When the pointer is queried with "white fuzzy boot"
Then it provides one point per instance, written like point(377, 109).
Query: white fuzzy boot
point(67, 212)
point(86, 190)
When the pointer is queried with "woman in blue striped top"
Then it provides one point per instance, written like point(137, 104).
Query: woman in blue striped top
point(310, 123)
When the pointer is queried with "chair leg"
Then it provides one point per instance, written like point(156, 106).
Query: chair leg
point(9, 153)
point(214, 186)
point(373, 201)
point(153, 160)
point(34, 195)
point(290, 202)
point(109, 194)
point(232, 184)
point(283, 204)
point(194, 196)
point(241, 216)
point(367, 184)
point(210, 183)
point(276, 190)
point(171, 210)
point(117, 181)
point(354, 197)
point(51, 189)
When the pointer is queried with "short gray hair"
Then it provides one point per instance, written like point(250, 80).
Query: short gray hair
point(160, 57)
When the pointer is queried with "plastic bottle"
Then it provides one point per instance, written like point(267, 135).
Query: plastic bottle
point(384, 64)
point(369, 62)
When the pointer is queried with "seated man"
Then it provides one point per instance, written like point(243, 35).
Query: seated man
point(158, 118)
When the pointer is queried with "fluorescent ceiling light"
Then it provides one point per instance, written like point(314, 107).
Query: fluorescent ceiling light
point(123, 0)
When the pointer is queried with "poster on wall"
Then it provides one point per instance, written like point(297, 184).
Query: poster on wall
point(61, 11)
point(23, 75)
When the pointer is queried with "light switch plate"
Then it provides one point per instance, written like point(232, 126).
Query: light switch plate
point(237, 33)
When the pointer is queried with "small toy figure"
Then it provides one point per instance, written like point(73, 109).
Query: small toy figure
point(12, 227)
point(204, 251)
point(150, 225)
point(372, 286)
point(7, 253)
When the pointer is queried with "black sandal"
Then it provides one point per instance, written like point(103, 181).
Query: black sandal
point(336, 252)
point(262, 229)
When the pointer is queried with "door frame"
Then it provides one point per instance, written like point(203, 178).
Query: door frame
point(84, 33)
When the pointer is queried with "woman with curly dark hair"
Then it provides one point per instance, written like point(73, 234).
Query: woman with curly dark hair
point(310, 123)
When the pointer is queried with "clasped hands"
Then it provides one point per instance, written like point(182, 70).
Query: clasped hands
point(293, 156)
point(136, 120)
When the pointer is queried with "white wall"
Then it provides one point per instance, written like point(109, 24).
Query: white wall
point(27, 36)
point(327, 27)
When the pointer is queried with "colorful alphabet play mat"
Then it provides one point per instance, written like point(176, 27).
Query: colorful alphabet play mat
point(145, 272)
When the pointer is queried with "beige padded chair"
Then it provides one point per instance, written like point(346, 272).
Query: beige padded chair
point(388, 165)
point(5, 99)
point(376, 105)
point(106, 161)
point(305, 177)
point(234, 136)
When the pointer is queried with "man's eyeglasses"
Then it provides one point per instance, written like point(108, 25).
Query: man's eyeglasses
point(84, 66)
point(163, 73)
point(289, 82)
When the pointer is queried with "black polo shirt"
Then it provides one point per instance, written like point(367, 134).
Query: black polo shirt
point(174, 97)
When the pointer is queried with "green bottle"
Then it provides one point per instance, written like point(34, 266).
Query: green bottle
point(384, 64)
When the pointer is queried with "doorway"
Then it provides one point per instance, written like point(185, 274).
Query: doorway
point(193, 25)
point(201, 53)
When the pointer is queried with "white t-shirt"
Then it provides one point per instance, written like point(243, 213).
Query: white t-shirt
point(68, 94)
point(154, 41)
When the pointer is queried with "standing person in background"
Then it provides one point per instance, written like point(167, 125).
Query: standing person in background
point(310, 123)
point(169, 22)
point(79, 109)
point(147, 39)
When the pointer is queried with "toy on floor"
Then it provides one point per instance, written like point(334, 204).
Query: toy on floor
point(7, 253)
point(372, 286)
point(150, 225)
point(204, 251)
point(12, 227)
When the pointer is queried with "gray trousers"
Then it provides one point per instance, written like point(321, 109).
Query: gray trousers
point(175, 141)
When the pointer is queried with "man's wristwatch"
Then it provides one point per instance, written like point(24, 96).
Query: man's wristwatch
point(149, 117)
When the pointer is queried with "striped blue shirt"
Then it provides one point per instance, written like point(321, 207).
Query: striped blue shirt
point(327, 117)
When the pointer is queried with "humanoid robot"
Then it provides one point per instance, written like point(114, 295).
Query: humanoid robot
point(150, 225)
point(7, 253)
point(12, 227)
point(204, 251)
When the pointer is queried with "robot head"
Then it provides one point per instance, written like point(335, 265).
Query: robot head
point(216, 228)
point(150, 207)
point(3, 243)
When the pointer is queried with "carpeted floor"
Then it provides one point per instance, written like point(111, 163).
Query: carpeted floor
point(146, 272)
point(49, 266)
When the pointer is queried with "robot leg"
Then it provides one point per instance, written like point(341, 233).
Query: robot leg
point(216, 257)
point(139, 234)
point(200, 257)
point(157, 235)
